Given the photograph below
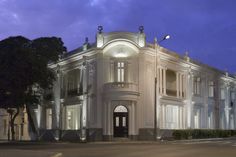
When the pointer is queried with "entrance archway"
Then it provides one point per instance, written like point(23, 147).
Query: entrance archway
point(120, 121)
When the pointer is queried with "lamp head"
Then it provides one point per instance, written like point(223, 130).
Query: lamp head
point(166, 37)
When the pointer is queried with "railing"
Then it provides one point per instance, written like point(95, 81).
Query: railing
point(74, 92)
point(171, 92)
point(120, 86)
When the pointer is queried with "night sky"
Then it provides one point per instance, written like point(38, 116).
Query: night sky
point(204, 28)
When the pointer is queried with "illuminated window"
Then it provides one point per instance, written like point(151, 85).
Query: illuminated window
point(117, 121)
point(120, 71)
point(124, 121)
point(211, 89)
point(171, 117)
point(72, 117)
point(48, 118)
point(222, 93)
point(197, 86)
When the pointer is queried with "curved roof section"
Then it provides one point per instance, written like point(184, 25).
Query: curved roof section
point(134, 37)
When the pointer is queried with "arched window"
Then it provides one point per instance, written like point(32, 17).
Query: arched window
point(120, 108)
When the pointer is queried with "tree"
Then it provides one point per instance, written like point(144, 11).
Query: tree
point(24, 71)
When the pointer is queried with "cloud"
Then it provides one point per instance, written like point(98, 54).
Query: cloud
point(202, 27)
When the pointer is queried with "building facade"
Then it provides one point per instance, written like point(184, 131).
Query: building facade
point(21, 126)
point(122, 86)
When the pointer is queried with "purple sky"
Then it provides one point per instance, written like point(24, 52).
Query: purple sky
point(204, 28)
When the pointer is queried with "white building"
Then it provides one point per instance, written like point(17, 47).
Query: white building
point(21, 126)
point(107, 90)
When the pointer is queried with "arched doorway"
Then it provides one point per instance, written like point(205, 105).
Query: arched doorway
point(120, 121)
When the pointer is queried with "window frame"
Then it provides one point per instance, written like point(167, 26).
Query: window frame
point(197, 86)
point(211, 89)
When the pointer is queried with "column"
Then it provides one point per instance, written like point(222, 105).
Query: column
point(133, 120)
point(109, 118)
point(164, 81)
point(56, 107)
point(112, 79)
point(177, 84)
point(188, 103)
point(205, 97)
point(163, 116)
point(181, 85)
point(180, 118)
point(184, 85)
point(227, 109)
point(83, 120)
point(104, 118)
point(126, 72)
point(161, 81)
point(84, 99)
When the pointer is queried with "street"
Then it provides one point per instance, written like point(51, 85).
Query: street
point(208, 148)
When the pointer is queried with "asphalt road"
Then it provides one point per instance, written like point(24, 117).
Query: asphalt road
point(216, 148)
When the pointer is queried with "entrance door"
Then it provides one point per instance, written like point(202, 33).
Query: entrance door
point(120, 121)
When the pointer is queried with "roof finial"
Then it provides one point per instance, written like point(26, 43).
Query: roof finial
point(100, 28)
point(186, 56)
point(141, 29)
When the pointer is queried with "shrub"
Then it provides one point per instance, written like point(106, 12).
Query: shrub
point(202, 133)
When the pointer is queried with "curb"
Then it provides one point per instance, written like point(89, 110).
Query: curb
point(205, 139)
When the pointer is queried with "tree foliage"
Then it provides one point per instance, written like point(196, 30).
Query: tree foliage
point(24, 66)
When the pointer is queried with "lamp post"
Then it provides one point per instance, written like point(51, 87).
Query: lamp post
point(166, 37)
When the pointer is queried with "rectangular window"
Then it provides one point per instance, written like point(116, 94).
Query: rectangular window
point(48, 118)
point(172, 117)
point(197, 86)
point(120, 71)
point(117, 121)
point(222, 94)
point(211, 89)
point(73, 114)
point(210, 119)
point(171, 82)
point(4, 126)
point(73, 82)
point(232, 95)
point(197, 113)
point(124, 121)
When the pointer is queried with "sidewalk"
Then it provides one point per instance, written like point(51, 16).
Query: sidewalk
point(111, 142)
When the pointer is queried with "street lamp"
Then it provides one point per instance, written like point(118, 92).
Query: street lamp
point(166, 37)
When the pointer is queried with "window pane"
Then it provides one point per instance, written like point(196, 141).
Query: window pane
point(72, 117)
point(124, 121)
point(120, 71)
point(118, 75)
point(122, 75)
point(117, 121)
